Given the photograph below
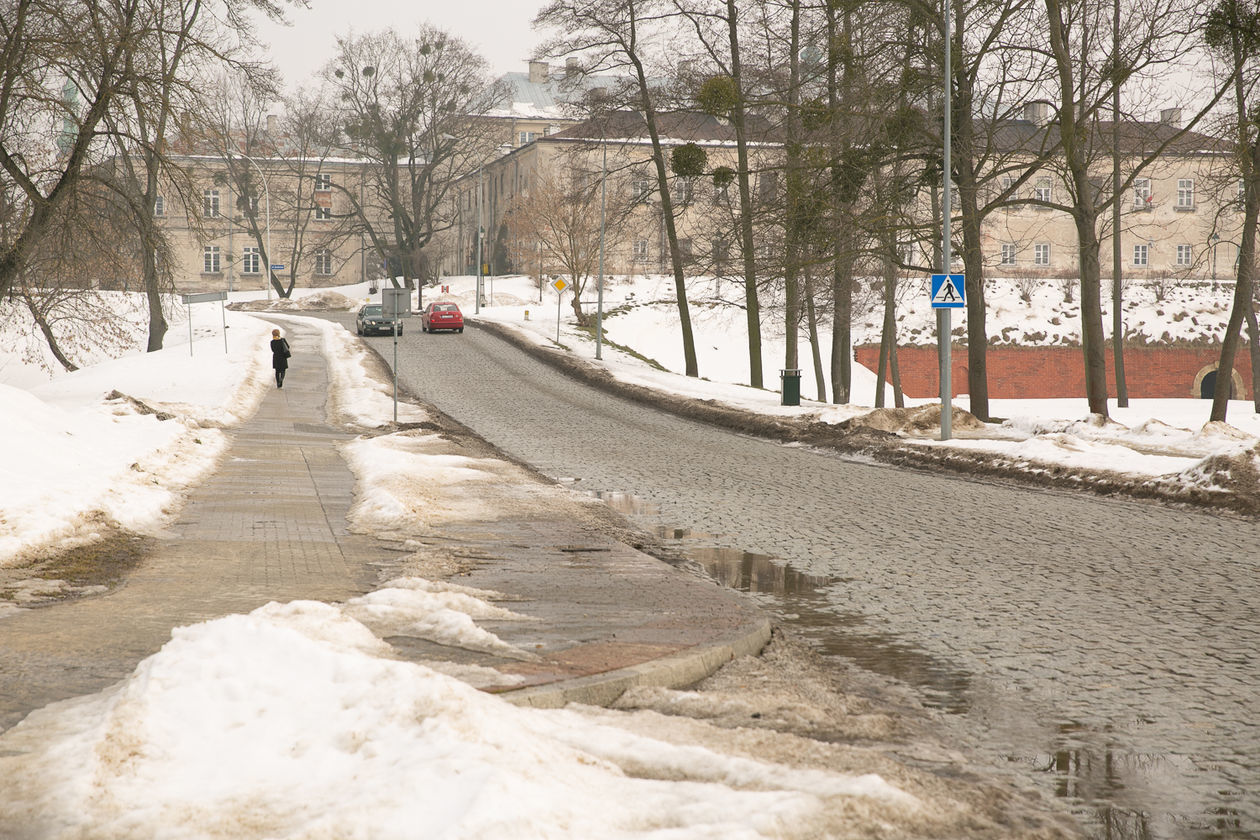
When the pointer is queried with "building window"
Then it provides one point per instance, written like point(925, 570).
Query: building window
point(1141, 255)
point(323, 212)
point(685, 250)
point(323, 262)
point(1043, 191)
point(1008, 253)
point(527, 137)
point(1041, 253)
point(768, 185)
point(644, 186)
point(685, 190)
point(722, 194)
point(1242, 191)
point(1185, 193)
point(323, 182)
point(159, 206)
point(1185, 255)
point(210, 203)
point(210, 259)
point(640, 253)
point(250, 261)
point(1141, 193)
point(721, 255)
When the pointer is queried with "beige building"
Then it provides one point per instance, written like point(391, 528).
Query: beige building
point(1179, 220)
point(299, 207)
point(638, 244)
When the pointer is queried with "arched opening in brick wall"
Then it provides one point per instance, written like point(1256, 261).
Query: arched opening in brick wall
point(1205, 383)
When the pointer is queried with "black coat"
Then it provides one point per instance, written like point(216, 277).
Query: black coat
point(279, 354)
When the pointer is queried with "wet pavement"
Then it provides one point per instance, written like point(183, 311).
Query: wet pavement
point(1103, 646)
point(270, 525)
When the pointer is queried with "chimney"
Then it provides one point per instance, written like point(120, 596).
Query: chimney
point(571, 67)
point(538, 72)
point(1170, 117)
point(1037, 112)
point(273, 124)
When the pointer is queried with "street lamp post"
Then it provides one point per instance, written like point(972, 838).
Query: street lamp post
point(1216, 241)
point(944, 328)
point(267, 205)
point(480, 233)
point(599, 308)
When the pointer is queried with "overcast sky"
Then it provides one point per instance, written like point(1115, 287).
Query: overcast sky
point(498, 29)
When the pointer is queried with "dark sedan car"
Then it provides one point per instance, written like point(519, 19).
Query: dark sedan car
point(441, 316)
point(371, 320)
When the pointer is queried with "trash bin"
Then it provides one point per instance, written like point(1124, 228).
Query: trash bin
point(791, 386)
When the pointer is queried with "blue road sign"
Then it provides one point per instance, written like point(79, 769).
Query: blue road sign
point(949, 291)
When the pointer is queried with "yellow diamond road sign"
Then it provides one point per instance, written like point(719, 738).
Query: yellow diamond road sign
point(559, 284)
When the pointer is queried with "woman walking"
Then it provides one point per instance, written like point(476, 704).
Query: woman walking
point(279, 356)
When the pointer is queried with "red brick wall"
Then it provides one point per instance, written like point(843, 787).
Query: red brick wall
point(1052, 372)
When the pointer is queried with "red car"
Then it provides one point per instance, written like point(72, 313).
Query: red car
point(441, 316)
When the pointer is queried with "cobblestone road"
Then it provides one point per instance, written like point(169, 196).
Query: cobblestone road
point(1109, 646)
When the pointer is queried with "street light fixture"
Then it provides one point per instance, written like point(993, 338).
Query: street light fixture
point(267, 202)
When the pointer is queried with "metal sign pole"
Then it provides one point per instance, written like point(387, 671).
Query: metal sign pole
point(944, 327)
point(396, 370)
point(223, 313)
point(188, 310)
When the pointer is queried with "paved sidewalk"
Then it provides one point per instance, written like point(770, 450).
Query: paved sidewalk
point(270, 526)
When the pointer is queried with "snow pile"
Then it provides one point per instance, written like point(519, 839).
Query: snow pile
point(290, 722)
point(116, 444)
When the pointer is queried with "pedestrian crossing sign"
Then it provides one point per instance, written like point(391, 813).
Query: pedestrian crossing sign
point(949, 291)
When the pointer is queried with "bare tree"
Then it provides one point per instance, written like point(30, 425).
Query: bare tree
point(1158, 35)
point(618, 34)
point(1233, 29)
point(562, 213)
point(410, 106)
point(71, 73)
point(725, 95)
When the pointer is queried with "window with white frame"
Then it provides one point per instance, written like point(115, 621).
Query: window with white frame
point(640, 252)
point(159, 206)
point(1185, 193)
point(323, 212)
point(323, 182)
point(527, 137)
point(1041, 253)
point(251, 262)
point(1008, 253)
point(644, 186)
point(1242, 191)
point(1141, 255)
point(210, 259)
point(210, 203)
point(1043, 191)
point(1141, 193)
point(1185, 255)
point(323, 262)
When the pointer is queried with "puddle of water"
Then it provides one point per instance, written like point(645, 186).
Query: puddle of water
point(1080, 764)
point(802, 602)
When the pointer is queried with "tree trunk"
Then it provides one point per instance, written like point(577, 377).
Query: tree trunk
point(1255, 353)
point(1117, 291)
point(752, 307)
point(963, 159)
point(1242, 296)
point(49, 337)
point(814, 351)
point(842, 316)
point(794, 190)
